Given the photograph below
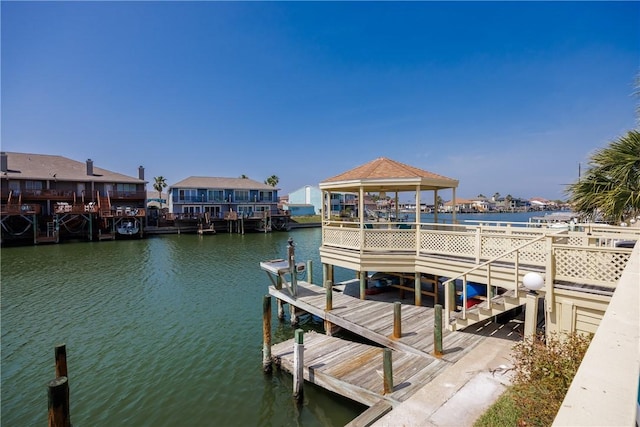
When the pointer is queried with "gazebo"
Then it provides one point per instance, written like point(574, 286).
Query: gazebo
point(382, 176)
point(361, 246)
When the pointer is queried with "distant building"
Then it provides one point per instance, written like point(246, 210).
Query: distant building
point(48, 197)
point(304, 201)
point(219, 196)
point(41, 181)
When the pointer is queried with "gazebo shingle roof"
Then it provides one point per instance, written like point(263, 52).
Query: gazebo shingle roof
point(383, 174)
point(384, 168)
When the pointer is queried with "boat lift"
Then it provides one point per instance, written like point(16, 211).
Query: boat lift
point(278, 269)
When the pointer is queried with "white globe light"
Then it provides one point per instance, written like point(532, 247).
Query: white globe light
point(533, 281)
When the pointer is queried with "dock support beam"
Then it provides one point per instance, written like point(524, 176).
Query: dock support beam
point(280, 310)
point(418, 288)
point(388, 371)
point(397, 319)
point(266, 334)
point(298, 365)
point(328, 326)
point(437, 331)
point(309, 271)
point(363, 285)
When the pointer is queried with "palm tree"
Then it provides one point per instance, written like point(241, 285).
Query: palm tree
point(243, 176)
point(159, 184)
point(611, 185)
point(272, 180)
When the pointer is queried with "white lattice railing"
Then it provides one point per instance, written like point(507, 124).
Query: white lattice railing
point(590, 265)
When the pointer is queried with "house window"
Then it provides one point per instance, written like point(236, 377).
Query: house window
point(241, 195)
point(187, 196)
point(126, 188)
point(33, 185)
point(266, 196)
point(14, 187)
point(216, 196)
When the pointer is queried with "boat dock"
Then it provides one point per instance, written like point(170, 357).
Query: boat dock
point(356, 370)
point(373, 319)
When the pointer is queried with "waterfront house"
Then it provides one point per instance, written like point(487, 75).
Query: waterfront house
point(304, 201)
point(222, 197)
point(45, 197)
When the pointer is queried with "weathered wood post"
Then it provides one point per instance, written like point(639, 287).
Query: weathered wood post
point(328, 326)
point(266, 333)
point(293, 316)
point(58, 390)
point(280, 305)
point(437, 331)
point(309, 271)
point(417, 278)
point(298, 365)
point(291, 255)
point(387, 368)
point(452, 295)
point(397, 320)
point(363, 285)
point(60, 352)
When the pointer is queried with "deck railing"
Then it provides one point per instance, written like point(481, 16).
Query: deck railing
point(587, 257)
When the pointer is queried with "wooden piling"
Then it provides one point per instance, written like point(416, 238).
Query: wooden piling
point(437, 331)
point(397, 320)
point(291, 256)
point(58, 390)
point(293, 316)
point(417, 278)
point(328, 326)
point(266, 333)
point(309, 271)
point(61, 360)
point(280, 310)
point(387, 371)
point(298, 365)
point(363, 285)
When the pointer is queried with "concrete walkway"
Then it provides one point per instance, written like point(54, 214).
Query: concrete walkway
point(460, 394)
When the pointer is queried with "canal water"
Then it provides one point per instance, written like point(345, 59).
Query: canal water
point(162, 331)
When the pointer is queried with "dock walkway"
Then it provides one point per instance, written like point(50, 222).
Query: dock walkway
point(355, 370)
point(373, 319)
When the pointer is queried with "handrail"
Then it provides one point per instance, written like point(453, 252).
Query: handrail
point(447, 283)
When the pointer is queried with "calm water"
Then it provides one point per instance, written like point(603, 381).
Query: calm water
point(163, 331)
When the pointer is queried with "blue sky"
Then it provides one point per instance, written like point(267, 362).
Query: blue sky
point(506, 97)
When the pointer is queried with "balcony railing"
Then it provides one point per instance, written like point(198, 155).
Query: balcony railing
point(591, 258)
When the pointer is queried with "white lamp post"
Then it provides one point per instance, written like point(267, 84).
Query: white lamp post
point(534, 282)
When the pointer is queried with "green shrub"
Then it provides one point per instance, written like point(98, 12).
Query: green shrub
point(543, 371)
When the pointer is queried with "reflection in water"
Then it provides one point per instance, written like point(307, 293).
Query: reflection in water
point(159, 331)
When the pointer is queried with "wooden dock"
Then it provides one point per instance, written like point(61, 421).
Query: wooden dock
point(356, 370)
point(373, 319)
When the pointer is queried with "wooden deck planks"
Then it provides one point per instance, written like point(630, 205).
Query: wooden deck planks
point(355, 370)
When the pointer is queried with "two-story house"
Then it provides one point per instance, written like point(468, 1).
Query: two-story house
point(46, 197)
